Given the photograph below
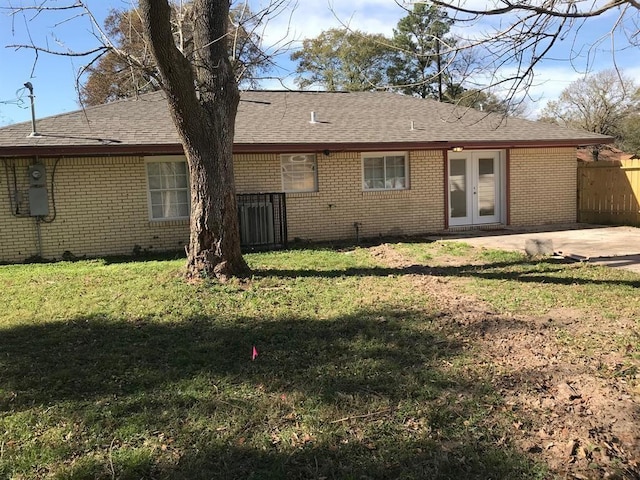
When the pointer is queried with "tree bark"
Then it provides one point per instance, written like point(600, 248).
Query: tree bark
point(203, 100)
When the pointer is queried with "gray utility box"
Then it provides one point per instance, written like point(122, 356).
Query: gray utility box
point(38, 202)
point(38, 196)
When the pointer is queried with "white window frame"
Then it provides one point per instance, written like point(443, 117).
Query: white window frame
point(288, 157)
point(166, 159)
point(384, 155)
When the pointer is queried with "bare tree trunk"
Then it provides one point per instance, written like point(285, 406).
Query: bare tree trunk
point(439, 66)
point(214, 245)
point(203, 100)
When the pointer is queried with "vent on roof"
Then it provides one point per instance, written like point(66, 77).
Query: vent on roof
point(314, 119)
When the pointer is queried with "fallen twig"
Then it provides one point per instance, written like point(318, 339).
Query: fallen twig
point(372, 414)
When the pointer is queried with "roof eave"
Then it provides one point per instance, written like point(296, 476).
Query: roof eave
point(90, 150)
point(395, 146)
point(176, 149)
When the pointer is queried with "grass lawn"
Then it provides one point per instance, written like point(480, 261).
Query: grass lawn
point(121, 370)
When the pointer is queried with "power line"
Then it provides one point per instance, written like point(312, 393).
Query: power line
point(19, 99)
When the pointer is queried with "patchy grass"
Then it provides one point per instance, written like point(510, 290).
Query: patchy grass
point(560, 342)
point(514, 283)
point(121, 370)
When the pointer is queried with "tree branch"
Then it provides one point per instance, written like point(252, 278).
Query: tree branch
point(86, 53)
point(539, 10)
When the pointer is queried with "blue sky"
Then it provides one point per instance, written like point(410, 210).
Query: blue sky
point(54, 77)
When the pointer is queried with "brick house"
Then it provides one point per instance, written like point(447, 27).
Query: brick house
point(112, 178)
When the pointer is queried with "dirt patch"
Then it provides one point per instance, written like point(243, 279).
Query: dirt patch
point(389, 256)
point(563, 376)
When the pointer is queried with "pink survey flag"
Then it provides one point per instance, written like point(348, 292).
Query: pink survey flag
point(254, 353)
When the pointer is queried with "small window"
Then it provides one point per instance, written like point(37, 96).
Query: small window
point(385, 172)
point(168, 184)
point(299, 173)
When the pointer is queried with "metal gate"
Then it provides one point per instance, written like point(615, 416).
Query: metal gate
point(263, 220)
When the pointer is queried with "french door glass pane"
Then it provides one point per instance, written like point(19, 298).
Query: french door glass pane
point(458, 187)
point(486, 187)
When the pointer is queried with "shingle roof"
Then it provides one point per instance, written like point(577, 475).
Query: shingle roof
point(608, 153)
point(272, 119)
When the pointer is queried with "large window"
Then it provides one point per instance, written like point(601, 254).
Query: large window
point(384, 172)
point(168, 188)
point(299, 173)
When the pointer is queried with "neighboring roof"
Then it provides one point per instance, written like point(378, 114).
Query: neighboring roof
point(607, 153)
point(280, 121)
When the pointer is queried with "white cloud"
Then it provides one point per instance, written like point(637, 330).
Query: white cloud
point(548, 84)
point(308, 18)
point(634, 73)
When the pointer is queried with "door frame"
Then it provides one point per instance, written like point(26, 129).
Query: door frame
point(472, 217)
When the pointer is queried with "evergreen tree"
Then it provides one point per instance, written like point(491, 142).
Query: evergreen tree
point(343, 60)
point(422, 46)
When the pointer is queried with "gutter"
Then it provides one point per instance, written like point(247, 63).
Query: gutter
point(176, 149)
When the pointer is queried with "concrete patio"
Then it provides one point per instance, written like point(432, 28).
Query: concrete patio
point(612, 246)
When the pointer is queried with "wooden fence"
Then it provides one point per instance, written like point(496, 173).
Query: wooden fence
point(609, 192)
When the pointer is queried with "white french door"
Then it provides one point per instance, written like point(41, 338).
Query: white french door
point(475, 187)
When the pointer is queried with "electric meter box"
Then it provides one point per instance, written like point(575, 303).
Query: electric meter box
point(37, 176)
point(38, 196)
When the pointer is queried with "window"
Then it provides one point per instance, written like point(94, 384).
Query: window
point(299, 173)
point(168, 189)
point(384, 172)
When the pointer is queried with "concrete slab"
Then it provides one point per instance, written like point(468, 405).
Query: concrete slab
point(611, 246)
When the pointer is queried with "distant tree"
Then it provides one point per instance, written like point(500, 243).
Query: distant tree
point(485, 102)
point(112, 76)
point(517, 35)
point(599, 103)
point(427, 63)
point(340, 59)
point(630, 134)
point(422, 52)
